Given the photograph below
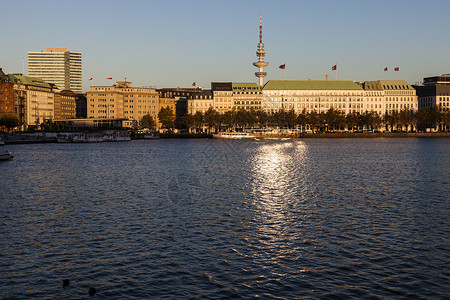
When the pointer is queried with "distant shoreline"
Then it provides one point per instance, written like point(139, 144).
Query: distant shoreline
point(24, 139)
point(377, 135)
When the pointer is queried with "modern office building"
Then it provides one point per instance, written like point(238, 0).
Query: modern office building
point(435, 92)
point(58, 66)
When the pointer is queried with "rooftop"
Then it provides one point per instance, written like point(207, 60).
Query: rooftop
point(311, 85)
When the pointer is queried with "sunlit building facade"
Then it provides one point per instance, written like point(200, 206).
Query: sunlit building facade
point(6, 94)
point(122, 101)
point(200, 102)
point(247, 96)
point(33, 100)
point(398, 95)
point(223, 96)
point(65, 105)
point(59, 66)
point(312, 95)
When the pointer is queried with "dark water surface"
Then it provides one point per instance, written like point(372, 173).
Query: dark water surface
point(175, 219)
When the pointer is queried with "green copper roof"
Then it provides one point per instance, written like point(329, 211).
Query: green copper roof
point(373, 85)
point(311, 85)
point(26, 80)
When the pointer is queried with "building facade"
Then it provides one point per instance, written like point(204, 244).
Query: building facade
point(65, 105)
point(34, 100)
point(81, 106)
point(435, 92)
point(122, 101)
point(247, 96)
point(58, 66)
point(398, 95)
point(200, 102)
point(223, 96)
point(6, 94)
point(312, 95)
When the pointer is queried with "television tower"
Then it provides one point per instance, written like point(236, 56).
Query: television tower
point(260, 54)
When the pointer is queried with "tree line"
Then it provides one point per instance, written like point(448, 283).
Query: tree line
point(328, 121)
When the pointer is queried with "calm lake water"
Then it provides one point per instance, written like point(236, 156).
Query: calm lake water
point(175, 219)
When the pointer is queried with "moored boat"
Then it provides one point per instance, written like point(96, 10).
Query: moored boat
point(116, 137)
point(233, 135)
point(79, 138)
point(64, 137)
point(151, 135)
point(4, 155)
point(94, 138)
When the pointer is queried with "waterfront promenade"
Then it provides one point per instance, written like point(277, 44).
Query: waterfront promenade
point(38, 138)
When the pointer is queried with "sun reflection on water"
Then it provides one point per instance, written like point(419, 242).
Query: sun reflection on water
point(278, 184)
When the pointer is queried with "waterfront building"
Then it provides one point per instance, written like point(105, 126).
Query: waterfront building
point(247, 96)
point(200, 102)
point(59, 66)
point(435, 92)
point(183, 96)
point(122, 101)
point(222, 96)
point(33, 100)
point(374, 99)
point(6, 94)
point(312, 95)
point(398, 95)
point(65, 105)
point(81, 106)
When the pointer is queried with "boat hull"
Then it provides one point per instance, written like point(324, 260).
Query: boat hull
point(6, 156)
point(233, 135)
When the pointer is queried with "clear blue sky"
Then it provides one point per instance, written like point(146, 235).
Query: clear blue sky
point(173, 43)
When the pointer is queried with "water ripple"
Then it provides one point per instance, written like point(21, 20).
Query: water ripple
point(216, 219)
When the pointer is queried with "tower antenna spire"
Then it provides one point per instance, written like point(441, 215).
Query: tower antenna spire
point(260, 55)
point(260, 28)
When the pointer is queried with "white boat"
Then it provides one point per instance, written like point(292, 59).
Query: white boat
point(116, 137)
point(108, 137)
point(79, 138)
point(233, 135)
point(94, 138)
point(64, 137)
point(122, 137)
point(4, 155)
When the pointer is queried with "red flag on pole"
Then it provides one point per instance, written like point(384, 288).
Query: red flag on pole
point(283, 66)
point(397, 69)
point(385, 69)
point(334, 68)
point(91, 78)
point(193, 84)
point(109, 78)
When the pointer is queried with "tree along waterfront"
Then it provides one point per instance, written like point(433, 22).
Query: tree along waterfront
point(333, 120)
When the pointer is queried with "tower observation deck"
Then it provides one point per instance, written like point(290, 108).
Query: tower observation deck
point(260, 54)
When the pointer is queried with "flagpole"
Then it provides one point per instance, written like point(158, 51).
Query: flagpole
point(336, 71)
point(284, 73)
